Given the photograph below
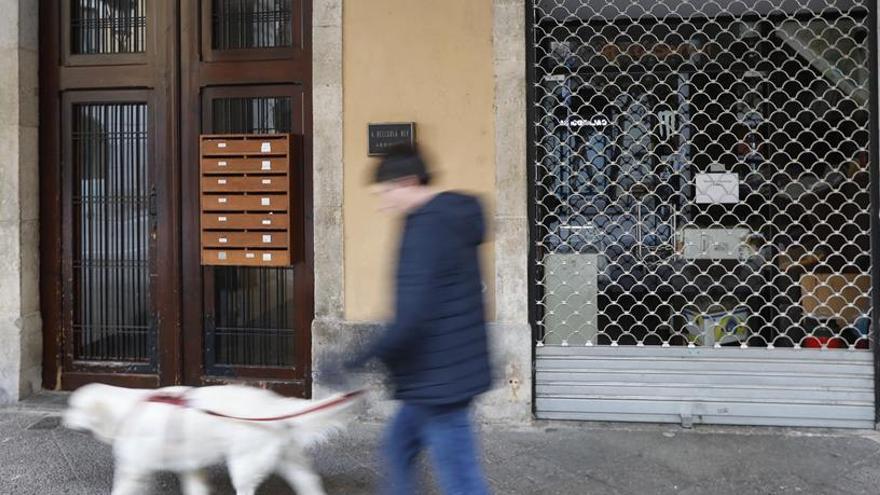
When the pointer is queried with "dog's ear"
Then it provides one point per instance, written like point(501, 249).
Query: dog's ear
point(91, 408)
point(104, 422)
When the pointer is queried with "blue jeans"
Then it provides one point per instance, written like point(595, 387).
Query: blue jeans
point(446, 432)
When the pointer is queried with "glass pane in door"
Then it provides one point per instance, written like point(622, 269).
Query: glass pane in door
point(108, 26)
point(112, 312)
point(242, 24)
point(253, 305)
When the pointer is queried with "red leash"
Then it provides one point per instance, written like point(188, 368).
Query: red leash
point(181, 401)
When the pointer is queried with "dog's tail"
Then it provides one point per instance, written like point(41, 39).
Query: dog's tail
point(322, 418)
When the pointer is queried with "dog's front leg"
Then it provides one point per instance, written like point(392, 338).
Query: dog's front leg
point(249, 470)
point(194, 483)
point(296, 469)
point(129, 481)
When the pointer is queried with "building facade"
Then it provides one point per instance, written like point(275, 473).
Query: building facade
point(683, 196)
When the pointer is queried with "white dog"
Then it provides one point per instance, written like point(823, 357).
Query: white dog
point(184, 430)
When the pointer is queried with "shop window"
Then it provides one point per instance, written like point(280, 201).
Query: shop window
point(110, 201)
point(101, 27)
point(703, 181)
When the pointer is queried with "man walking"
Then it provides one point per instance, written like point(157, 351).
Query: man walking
point(436, 347)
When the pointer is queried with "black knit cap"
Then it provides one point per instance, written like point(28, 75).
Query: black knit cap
point(400, 162)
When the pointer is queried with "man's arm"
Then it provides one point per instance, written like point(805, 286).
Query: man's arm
point(418, 266)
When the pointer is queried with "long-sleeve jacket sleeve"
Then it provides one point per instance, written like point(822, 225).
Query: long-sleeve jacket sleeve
point(419, 251)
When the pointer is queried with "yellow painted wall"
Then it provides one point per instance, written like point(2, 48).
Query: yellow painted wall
point(427, 61)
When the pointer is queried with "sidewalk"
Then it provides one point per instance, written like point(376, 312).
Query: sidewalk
point(39, 457)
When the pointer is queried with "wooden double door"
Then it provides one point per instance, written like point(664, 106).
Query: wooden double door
point(127, 86)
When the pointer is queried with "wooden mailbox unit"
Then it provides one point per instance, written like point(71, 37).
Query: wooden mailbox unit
point(245, 200)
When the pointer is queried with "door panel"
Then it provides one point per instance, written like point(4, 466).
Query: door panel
point(248, 70)
point(109, 205)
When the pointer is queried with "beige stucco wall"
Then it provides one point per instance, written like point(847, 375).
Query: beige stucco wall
point(425, 61)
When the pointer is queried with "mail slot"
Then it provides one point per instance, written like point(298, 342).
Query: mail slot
point(245, 239)
point(242, 257)
point(244, 146)
point(240, 202)
point(225, 183)
point(214, 165)
point(244, 221)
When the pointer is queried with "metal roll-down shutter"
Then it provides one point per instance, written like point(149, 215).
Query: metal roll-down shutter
point(701, 183)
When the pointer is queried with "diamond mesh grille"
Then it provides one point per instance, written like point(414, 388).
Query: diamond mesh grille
point(701, 173)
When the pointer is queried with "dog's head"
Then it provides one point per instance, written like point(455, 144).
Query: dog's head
point(94, 409)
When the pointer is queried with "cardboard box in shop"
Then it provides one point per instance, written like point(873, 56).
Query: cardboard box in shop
point(843, 296)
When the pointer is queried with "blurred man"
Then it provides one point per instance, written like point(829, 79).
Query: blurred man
point(436, 347)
